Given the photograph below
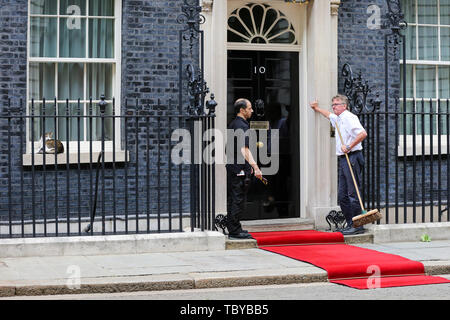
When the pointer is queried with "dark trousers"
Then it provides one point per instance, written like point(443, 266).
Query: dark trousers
point(236, 197)
point(347, 197)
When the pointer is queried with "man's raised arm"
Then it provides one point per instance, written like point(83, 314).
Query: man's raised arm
point(315, 106)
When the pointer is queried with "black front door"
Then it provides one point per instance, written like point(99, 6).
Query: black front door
point(273, 78)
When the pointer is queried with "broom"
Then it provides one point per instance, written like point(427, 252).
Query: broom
point(365, 217)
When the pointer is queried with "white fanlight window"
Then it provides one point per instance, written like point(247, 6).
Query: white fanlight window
point(259, 23)
point(73, 57)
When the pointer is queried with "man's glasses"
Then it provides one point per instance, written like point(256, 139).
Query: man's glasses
point(336, 104)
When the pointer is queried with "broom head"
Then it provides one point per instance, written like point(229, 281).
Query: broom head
point(366, 218)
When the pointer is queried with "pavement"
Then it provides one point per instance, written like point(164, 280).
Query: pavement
point(244, 266)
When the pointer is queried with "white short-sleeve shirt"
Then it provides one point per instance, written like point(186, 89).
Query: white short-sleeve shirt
point(350, 127)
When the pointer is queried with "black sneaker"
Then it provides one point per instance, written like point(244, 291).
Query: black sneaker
point(240, 236)
point(353, 230)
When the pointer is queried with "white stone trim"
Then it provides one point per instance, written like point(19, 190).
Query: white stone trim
point(207, 5)
point(334, 7)
point(318, 66)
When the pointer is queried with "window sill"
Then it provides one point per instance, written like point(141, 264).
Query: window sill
point(425, 150)
point(61, 158)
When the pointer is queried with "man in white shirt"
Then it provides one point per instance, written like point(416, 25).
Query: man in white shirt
point(353, 134)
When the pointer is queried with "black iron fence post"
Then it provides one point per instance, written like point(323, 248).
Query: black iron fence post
point(202, 199)
point(90, 227)
point(211, 106)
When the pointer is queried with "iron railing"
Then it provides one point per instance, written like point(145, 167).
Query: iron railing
point(407, 163)
point(120, 179)
point(407, 172)
point(116, 173)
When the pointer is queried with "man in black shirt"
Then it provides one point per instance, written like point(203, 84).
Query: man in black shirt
point(239, 170)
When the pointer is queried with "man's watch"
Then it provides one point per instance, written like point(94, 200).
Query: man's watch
point(348, 147)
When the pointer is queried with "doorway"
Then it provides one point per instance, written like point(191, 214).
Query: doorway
point(270, 77)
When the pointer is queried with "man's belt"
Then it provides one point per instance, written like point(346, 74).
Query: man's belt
point(349, 153)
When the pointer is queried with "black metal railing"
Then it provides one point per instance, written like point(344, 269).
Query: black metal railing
point(407, 161)
point(115, 173)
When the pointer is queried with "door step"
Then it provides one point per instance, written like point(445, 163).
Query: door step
point(240, 244)
point(251, 243)
point(288, 224)
point(359, 238)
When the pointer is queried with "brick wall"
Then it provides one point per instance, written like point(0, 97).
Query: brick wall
point(150, 74)
point(13, 53)
point(150, 49)
point(363, 47)
point(150, 80)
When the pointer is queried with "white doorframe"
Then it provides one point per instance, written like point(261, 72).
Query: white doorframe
point(316, 25)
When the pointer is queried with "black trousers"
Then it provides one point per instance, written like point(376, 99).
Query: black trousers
point(237, 188)
point(347, 197)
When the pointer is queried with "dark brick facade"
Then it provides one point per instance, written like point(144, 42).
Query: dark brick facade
point(13, 50)
point(364, 49)
point(150, 80)
point(150, 50)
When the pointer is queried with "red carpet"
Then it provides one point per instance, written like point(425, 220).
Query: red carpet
point(345, 264)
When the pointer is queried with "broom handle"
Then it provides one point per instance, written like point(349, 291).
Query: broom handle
point(351, 170)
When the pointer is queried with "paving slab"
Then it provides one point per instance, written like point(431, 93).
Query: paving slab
point(106, 273)
point(417, 250)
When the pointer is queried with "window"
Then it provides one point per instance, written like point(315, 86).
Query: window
point(427, 59)
point(73, 56)
point(260, 23)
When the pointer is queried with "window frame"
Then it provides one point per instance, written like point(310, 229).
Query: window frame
point(296, 18)
point(116, 81)
point(418, 62)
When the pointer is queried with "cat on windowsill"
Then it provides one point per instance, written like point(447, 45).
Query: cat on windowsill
point(50, 145)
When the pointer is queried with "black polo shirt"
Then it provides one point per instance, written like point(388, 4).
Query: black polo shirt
point(238, 162)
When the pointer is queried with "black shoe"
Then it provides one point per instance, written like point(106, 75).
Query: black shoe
point(243, 231)
point(343, 229)
point(240, 236)
point(353, 230)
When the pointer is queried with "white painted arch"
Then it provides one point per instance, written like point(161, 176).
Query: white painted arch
point(316, 26)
